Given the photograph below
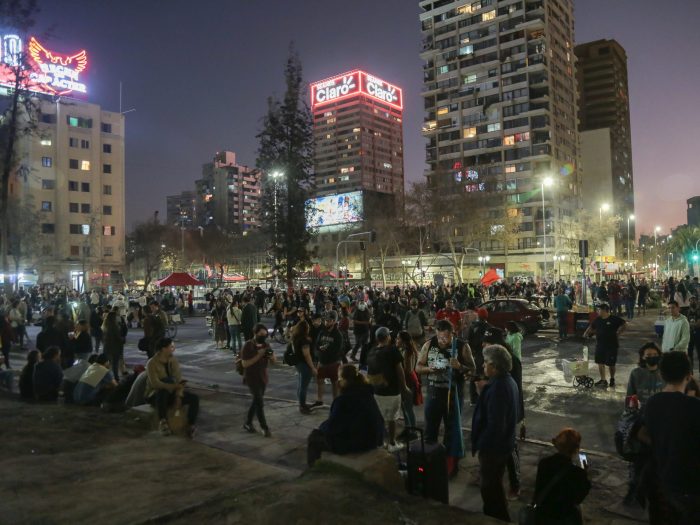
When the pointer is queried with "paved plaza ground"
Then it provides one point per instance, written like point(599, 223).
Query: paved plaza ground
point(65, 462)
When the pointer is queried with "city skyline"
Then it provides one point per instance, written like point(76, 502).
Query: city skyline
point(188, 107)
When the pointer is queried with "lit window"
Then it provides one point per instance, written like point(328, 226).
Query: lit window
point(109, 231)
point(510, 168)
point(488, 15)
point(464, 10)
point(493, 127)
point(46, 162)
point(85, 229)
point(45, 205)
point(466, 50)
point(509, 140)
point(443, 110)
point(85, 165)
point(331, 180)
point(443, 69)
point(45, 142)
point(355, 130)
point(469, 133)
point(470, 78)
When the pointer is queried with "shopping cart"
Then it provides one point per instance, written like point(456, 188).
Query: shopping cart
point(576, 371)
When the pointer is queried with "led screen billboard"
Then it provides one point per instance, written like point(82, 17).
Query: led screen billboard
point(342, 208)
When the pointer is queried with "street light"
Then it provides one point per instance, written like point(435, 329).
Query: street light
point(669, 256)
point(404, 263)
point(276, 175)
point(656, 253)
point(630, 218)
point(483, 260)
point(603, 208)
point(547, 181)
point(558, 259)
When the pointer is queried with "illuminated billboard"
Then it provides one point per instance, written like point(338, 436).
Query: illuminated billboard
point(354, 83)
point(342, 208)
point(50, 72)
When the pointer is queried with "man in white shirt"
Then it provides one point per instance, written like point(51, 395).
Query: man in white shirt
point(676, 330)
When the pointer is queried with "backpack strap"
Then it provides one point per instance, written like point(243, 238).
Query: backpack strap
point(549, 486)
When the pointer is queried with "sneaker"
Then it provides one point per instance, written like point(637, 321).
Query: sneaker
point(612, 382)
point(164, 428)
point(267, 433)
point(513, 495)
point(248, 427)
point(304, 409)
point(316, 404)
point(191, 431)
point(602, 384)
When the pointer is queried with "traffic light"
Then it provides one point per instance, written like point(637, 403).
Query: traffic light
point(696, 257)
point(583, 248)
point(362, 245)
point(373, 236)
point(583, 263)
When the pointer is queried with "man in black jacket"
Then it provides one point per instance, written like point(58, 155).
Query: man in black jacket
point(249, 318)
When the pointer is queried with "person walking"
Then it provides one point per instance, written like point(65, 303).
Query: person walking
point(360, 327)
point(249, 318)
point(607, 330)
point(493, 428)
point(255, 357)
point(113, 341)
point(562, 305)
point(330, 352)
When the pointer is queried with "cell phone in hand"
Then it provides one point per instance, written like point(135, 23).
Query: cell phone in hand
point(583, 460)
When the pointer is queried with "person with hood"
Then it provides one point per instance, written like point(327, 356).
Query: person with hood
point(354, 423)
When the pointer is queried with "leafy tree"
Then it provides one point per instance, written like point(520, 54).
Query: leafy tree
point(286, 146)
point(682, 245)
point(23, 233)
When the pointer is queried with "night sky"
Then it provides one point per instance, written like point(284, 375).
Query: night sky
point(198, 74)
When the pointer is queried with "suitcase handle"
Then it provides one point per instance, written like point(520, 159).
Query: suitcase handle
point(422, 440)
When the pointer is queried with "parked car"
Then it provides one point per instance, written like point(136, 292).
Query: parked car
point(528, 317)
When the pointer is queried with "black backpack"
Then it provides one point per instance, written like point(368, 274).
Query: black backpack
point(290, 356)
point(626, 442)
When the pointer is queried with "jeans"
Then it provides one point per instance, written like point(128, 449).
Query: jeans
point(163, 399)
point(436, 411)
point(234, 332)
point(256, 407)
point(513, 466)
point(315, 445)
point(492, 466)
point(361, 339)
point(629, 306)
point(303, 380)
point(98, 343)
point(409, 417)
point(561, 321)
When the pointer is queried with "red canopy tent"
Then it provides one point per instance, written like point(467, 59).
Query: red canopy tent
point(179, 279)
point(490, 277)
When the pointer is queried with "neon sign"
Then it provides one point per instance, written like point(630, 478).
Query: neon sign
point(50, 72)
point(355, 83)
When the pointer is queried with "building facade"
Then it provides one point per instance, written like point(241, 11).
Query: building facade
point(228, 194)
point(501, 122)
point(71, 175)
point(694, 212)
point(181, 209)
point(358, 134)
point(601, 75)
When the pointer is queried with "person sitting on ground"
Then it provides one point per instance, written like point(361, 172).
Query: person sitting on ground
point(354, 423)
point(50, 336)
point(95, 382)
point(26, 378)
point(561, 483)
point(72, 375)
point(48, 375)
point(165, 385)
point(7, 336)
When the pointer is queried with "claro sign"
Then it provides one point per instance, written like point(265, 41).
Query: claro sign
point(354, 83)
point(50, 72)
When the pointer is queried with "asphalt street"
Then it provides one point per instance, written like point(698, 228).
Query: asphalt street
point(551, 402)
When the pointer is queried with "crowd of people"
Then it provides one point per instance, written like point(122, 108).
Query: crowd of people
point(384, 353)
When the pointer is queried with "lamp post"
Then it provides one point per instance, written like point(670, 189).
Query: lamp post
point(629, 252)
point(276, 175)
point(404, 264)
point(669, 257)
point(483, 260)
point(656, 253)
point(558, 259)
point(547, 181)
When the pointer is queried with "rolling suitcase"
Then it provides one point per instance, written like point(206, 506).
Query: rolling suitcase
point(426, 466)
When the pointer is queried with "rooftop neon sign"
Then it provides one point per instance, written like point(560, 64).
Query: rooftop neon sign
point(50, 72)
point(355, 83)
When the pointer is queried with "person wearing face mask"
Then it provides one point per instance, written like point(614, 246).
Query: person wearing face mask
point(255, 356)
point(645, 380)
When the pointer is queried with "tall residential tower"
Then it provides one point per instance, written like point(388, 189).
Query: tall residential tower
point(500, 101)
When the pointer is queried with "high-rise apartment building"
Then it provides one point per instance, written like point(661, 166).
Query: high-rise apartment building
point(67, 226)
point(72, 175)
point(693, 211)
point(228, 194)
point(500, 100)
point(182, 209)
point(358, 136)
point(604, 123)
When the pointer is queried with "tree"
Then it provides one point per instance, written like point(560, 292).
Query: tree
point(18, 113)
point(286, 146)
point(682, 245)
point(23, 234)
point(151, 244)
